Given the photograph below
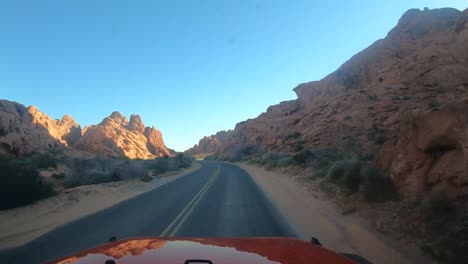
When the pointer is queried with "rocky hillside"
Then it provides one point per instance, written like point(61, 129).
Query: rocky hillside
point(116, 136)
point(210, 144)
point(403, 102)
point(25, 130)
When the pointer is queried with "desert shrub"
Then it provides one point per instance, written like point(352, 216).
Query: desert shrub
point(58, 175)
point(396, 98)
point(146, 178)
point(210, 157)
point(373, 97)
point(294, 135)
point(338, 170)
point(350, 176)
point(376, 187)
point(41, 160)
point(379, 139)
point(184, 161)
point(242, 153)
point(134, 170)
point(324, 158)
point(302, 156)
point(91, 171)
point(439, 209)
point(347, 118)
point(378, 136)
point(407, 97)
point(271, 159)
point(355, 175)
point(285, 162)
point(162, 165)
point(158, 166)
point(21, 184)
point(298, 146)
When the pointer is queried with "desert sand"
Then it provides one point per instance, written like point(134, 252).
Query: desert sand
point(311, 216)
point(21, 225)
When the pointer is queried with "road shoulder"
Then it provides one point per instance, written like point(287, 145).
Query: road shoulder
point(21, 225)
point(313, 216)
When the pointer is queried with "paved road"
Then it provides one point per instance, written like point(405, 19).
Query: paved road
point(218, 200)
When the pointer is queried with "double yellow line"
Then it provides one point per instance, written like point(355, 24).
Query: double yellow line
point(175, 225)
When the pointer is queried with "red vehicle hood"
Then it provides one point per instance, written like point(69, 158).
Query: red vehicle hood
point(218, 250)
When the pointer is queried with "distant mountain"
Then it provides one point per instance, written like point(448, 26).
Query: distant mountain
point(24, 130)
point(402, 101)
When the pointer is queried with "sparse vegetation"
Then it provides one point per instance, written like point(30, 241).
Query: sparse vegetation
point(347, 118)
point(355, 175)
point(378, 136)
point(373, 97)
point(42, 160)
point(100, 170)
point(376, 187)
point(21, 183)
point(302, 157)
point(58, 175)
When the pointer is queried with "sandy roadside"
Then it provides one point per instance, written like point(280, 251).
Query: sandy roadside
point(312, 216)
point(21, 225)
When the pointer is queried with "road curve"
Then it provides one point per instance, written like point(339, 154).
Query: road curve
point(218, 200)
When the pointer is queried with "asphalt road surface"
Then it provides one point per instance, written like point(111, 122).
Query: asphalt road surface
point(218, 200)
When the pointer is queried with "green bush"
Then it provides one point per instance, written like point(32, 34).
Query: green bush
point(21, 184)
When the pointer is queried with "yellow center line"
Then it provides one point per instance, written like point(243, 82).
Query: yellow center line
point(183, 215)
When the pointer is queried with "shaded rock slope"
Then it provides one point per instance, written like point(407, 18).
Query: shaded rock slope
point(403, 100)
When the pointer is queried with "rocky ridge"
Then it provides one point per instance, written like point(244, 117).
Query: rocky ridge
point(24, 130)
point(402, 100)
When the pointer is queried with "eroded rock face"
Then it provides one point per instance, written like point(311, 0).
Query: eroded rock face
point(116, 136)
point(155, 143)
point(210, 144)
point(66, 130)
point(22, 129)
point(136, 124)
point(430, 151)
point(397, 86)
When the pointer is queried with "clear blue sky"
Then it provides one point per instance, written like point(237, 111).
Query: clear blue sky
point(191, 68)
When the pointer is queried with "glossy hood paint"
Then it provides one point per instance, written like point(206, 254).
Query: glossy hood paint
point(217, 250)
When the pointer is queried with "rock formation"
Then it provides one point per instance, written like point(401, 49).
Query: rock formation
point(116, 136)
point(210, 144)
point(407, 91)
point(24, 130)
point(66, 130)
